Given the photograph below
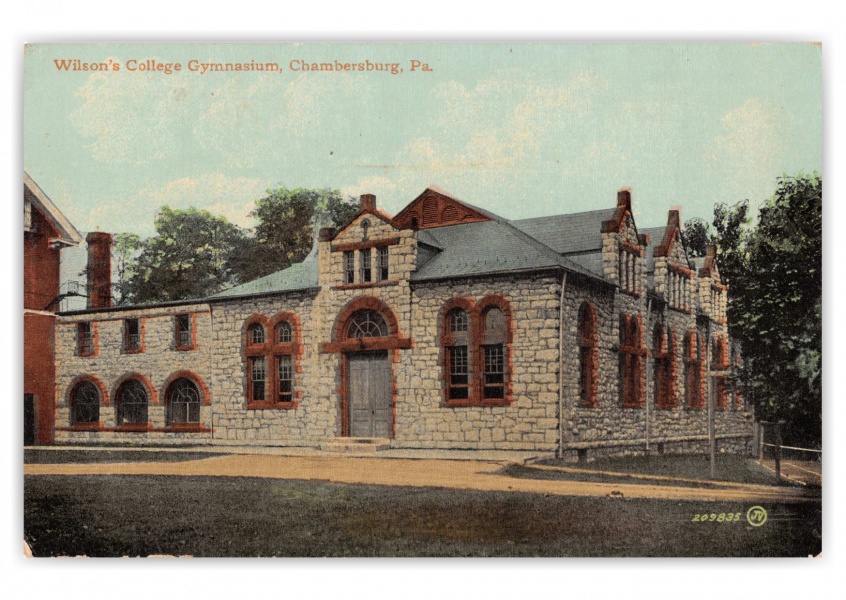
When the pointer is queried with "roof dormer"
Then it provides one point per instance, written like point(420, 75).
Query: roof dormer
point(437, 208)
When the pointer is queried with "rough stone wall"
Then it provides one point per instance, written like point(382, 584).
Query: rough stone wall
point(158, 361)
point(313, 420)
point(530, 422)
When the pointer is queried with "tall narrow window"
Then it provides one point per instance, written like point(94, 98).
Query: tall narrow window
point(493, 349)
point(588, 358)
point(663, 350)
point(457, 355)
point(285, 371)
point(184, 332)
point(365, 270)
point(84, 339)
point(631, 361)
point(258, 378)
point(693, 372)
point(349, 266)
point(382, 263)
point(132, 335)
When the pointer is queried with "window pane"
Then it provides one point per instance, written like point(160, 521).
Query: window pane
point(365, 267)
point(349, 267)
point(258, 377)
point(382, 265)
point(132, 402)
point(183, 402)
point(256, 334)
point(367, 324)
point(283, 332)
point(494, 373)
point(85, 403)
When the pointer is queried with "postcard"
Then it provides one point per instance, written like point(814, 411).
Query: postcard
point(509, 299)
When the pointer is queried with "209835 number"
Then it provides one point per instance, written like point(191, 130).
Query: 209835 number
point(716, 517)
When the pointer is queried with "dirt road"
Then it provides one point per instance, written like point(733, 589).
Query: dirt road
point(466, 475)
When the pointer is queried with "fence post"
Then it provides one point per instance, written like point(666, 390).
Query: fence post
point(777, 427)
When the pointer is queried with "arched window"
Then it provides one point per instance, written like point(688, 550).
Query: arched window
point(283, 332)
point(255, 334)
point(272, 363)
point(720, 363)
point(588, 356)
point(631, 361)
point(693, 372)
point(494, 334)
point(85, 403)
point(663, 349)
point(367, 324)
point(183, 402)
point(131, 400)
point(457, 354)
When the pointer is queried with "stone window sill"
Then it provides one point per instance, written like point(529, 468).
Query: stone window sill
point(273, 405)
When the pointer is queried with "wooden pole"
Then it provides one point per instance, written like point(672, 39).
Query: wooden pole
point(778, 451)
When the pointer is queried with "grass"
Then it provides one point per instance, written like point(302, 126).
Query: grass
point(217, 516)
point(62, 456)
point(729, 467)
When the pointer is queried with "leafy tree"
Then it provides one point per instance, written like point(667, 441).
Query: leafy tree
point(126, 249)
point(777, 308)
point(696, 235)
point(287, 222)
point(189, 257)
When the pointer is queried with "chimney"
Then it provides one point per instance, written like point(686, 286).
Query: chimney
point(674, 217)
point(624, 198)
point(711, 250)
point(99, 269)
point(326, 234)
point(368, 202)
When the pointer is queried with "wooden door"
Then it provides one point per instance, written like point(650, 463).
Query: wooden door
point(369, 394)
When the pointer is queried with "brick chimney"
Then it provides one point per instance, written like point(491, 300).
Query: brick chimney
point(624, 198)
point(99, 286)
point(368, 202)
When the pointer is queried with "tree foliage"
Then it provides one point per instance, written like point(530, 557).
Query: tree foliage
point(773, 269)
point(777, 308)
point(195, 254)
point(189, 257)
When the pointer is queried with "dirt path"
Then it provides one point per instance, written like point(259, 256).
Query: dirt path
point(466, 475)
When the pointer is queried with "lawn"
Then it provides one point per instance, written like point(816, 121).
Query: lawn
point(729, 467)
point(63, 456)
point(217, 516)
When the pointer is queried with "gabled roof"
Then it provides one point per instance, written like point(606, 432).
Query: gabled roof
point(566, 234)
point(438, 208)
point(69, 236)
point(490, 247)
point(300, 276)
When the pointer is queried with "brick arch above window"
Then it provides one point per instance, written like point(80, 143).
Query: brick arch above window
point(104, 392)
point(152, 395)
point(465, 304)
point(340, 340)
point(505, 306)
point(250, 324)
point(191, 375)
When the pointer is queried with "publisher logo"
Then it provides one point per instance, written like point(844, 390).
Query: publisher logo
point(756, 516)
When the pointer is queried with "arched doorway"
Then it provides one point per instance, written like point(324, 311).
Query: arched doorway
point(369, 378)
point(366, 335)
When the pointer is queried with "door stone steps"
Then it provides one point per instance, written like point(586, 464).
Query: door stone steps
point(355, 445)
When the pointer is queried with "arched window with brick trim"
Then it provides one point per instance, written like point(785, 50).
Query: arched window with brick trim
point(456, 342)
point(664, 351)
point(631, 361)
point(182, 402)
point(693, 371)
point(132, 402)
point(85, 400)
point(494, 367)
point(588, 356)
point(720, 363)
point(273, 361)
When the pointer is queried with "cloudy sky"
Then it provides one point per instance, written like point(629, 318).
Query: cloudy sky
point(522, 130)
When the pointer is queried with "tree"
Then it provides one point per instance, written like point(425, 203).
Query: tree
point(191, 256)
point(696, 235)
point(287, 222)
point(777, 308)
point(126, 249)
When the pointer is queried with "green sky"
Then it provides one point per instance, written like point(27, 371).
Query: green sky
point(520, 129)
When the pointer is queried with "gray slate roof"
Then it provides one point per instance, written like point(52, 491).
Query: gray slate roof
point(656, 236)
point(301, 276)
point(578, 232)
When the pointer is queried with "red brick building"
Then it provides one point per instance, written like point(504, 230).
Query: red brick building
point(46, 232)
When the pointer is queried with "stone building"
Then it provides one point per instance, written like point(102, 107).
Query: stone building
point(445, 326)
